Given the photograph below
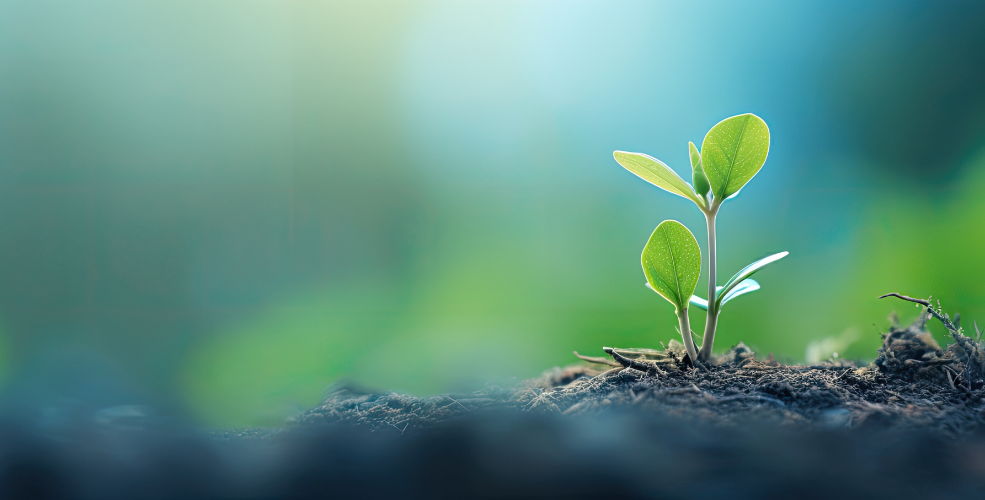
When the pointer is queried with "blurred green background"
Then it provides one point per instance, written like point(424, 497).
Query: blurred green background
point(221, 208)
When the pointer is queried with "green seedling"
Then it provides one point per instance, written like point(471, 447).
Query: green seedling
point(732, 153)
point(671, 262)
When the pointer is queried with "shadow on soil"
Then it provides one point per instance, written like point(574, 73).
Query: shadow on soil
point(909, 425)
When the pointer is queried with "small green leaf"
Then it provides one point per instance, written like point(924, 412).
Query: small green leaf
point(746, 286)
point(671, 262)
point(733, 152)
point(747, 272)
point(697, 172)
point(692, 151)
point(657, 173)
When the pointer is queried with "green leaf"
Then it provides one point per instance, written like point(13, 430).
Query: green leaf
point(657, 173)
point(746, 286)
point(671, 262)
point(747, 272)
point(692, 151)
point(733, 152)
point(697, 171)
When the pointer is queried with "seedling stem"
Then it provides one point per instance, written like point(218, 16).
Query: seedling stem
point(686, 333)
point(711, 212)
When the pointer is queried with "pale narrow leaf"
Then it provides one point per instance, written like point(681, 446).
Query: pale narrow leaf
point(747, 272)
point(699, 302)
point(657, 173)
point(745, 286)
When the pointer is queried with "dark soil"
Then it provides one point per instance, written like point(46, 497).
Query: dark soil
point(913, 384)
point(909, 425)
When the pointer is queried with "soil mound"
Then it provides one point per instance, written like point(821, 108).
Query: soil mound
point(913, 384)
point(909, 425)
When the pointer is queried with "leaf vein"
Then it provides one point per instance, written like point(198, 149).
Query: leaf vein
point(735, 154)
point(673, 262)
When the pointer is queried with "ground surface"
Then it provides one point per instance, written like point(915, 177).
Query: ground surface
point(912, 385)
point(909, 425)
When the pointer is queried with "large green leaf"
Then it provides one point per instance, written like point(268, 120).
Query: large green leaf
point(697, 172)
point(671, 262)
point(657, 173)
point(733, 152)
point(747, 272)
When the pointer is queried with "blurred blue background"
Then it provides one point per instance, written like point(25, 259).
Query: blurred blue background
point(220, 208)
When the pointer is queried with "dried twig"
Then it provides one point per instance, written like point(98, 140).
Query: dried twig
point(632, 363)
point(617, 369)
point(598, 360)
point(954, 330)
point(904, 297)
